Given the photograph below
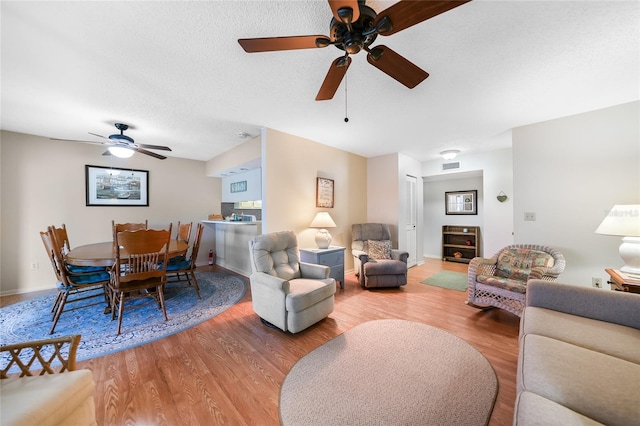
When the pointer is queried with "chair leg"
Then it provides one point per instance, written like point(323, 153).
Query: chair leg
point(120, 311)
point(61, 304)
point(160, 291)
point(195, 282)
point(54, 308)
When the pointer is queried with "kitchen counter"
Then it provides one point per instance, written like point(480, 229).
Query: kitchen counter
point(232, 243)
point(229, 222)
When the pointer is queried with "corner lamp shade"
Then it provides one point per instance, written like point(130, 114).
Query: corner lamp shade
point(323, 237)
point(120, 151)
point(624, 221)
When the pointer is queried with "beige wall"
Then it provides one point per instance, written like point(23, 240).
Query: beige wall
point(43, 183)
point(290, 167)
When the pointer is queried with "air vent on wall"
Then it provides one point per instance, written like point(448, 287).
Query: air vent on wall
point(451, 166)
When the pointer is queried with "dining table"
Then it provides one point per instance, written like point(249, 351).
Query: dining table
point(101, 254)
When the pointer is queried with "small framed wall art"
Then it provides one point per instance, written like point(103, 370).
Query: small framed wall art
point(324, 192)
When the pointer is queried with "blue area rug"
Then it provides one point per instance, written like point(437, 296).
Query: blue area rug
point(31, 319)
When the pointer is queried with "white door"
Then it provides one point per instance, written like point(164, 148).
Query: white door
point(411, 220)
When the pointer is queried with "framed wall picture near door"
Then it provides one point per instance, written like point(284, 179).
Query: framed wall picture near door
point(461, 202)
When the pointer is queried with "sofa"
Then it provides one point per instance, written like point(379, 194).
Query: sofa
point(579, 358)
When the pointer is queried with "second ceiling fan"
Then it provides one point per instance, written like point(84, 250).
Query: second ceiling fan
point(354, 27)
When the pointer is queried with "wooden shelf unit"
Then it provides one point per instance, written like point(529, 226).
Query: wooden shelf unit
point(455, 239)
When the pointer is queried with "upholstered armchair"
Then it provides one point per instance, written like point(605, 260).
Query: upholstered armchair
point(286, 293)
point(501, 281)
point(375, 262)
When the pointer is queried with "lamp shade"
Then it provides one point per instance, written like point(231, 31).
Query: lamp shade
point(622, 220)
point(322, 220)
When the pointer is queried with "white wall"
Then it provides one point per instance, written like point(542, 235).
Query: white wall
point(434, 209)
point(496, 169)
point(570, 172)
point(43, 183)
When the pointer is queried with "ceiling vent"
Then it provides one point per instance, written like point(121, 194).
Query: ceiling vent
point(451, 166)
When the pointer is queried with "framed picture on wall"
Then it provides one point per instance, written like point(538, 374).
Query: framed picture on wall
point(111, 186)
point(324, 192)
point(461, 202)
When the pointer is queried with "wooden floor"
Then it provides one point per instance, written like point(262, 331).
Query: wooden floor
point(229, 369)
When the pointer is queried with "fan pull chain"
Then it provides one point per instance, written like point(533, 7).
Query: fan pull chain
point(346, 115)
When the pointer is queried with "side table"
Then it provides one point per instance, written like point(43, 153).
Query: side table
point(621, 282)
point(333, 257)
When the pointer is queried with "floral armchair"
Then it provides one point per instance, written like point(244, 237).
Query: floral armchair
point(501, 281)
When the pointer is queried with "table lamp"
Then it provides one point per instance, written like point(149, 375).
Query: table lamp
point(323, 237)
point(624, 221)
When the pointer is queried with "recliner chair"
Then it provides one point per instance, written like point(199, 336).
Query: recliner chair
point(286, 293)
point(375, 262)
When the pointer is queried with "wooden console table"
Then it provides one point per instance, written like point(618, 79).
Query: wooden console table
point(621, 282)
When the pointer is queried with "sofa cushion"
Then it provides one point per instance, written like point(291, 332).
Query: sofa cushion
point(599, 386)
point(516, 263)
point(611, 339)
point(505, 283)
point(534, 410)
point(52, 399)
point(379, 250)
point(304, 293)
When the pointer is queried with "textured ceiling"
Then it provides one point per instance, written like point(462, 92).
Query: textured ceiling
point(175, 72)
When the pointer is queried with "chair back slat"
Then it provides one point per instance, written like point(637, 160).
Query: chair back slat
point(184, 232)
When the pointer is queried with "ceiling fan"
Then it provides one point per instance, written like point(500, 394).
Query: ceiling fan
point(354, 27)
point(122, 145)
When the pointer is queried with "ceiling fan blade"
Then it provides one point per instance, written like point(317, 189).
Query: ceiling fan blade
point(396, 66)
point(345, 11)
point(95, 134)
point(335, 75)
point(407, 13)
point(160, 147)
point(74, 140)
point(271, 44)
point(153, 154)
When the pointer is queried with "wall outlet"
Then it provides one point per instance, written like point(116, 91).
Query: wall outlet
point(530, 216)
point(596, 282)
point(34, 265)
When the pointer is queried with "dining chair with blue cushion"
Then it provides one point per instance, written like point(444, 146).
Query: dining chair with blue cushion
point(140, 268)
point(186, 265)
point(82, 286)
point(62, 240)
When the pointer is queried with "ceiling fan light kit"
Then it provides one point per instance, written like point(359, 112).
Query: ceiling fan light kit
point(123, 146)
point(354, 27)
point(120, 151)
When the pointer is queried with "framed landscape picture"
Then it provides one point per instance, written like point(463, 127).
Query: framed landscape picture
point(111, 186)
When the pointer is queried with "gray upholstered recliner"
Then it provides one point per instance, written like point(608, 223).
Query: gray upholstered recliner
point(375, 262)
point(287, 293)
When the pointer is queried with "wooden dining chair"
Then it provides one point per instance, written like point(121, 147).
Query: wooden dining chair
point(187, 267)
point(82, 285)
point(184, 232)
point(62, 240)
point(140, 268)
point(129, 226)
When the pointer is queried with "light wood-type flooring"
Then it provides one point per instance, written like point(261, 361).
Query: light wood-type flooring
point(229, 370)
